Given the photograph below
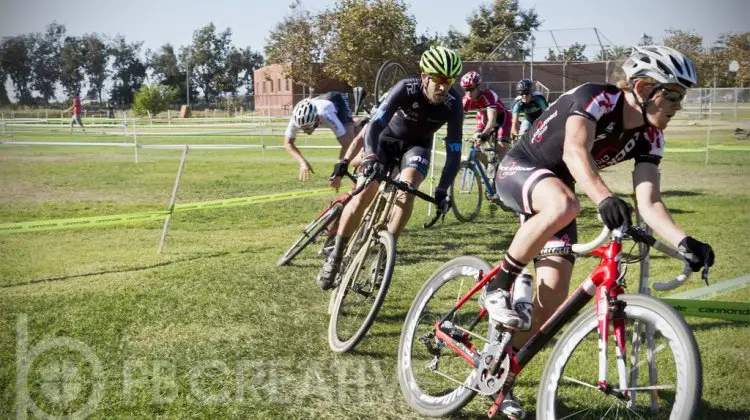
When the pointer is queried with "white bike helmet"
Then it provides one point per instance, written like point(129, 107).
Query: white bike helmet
point(305, 113)
point(663, 64)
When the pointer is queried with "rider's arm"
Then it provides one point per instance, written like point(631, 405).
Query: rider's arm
point(356, 145)
point(452, 149)
point(514, 123)
point(384, 113)
point(579, 139)
point(289, 138)
point(491, 116)
point(650, 205)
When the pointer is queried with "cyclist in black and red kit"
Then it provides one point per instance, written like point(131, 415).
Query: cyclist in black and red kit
point(401, 132)
point(588, 128)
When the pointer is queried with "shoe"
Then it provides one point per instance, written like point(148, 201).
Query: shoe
point(327, 247)
point(511, 408)
point(328, 272)
point(497, 303)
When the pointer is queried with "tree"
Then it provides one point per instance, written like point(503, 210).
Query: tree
point(502, 22)
point(129, 69)
point(207, 57)
point(364, 33)
point(646, 40)
point(737, 48)
point(46, 60)
point(238, 70)
point(166, 68)
point(454, 39)
point(4, 100)
point(151, 100)
point(17, 62)
point(71, 65)
point(572, 53)
point(96, 57)
point(615, 52)
point(297, 44)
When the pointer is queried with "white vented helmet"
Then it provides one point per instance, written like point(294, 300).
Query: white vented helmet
point(304, 113)
point(663, 64)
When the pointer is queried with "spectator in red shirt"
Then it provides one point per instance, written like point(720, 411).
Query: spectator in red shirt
point(76, 114)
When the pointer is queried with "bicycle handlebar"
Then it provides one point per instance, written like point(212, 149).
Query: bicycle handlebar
point(639, 235)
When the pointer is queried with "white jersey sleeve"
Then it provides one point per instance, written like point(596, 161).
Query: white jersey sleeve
point(327, 114)
point(291, 130)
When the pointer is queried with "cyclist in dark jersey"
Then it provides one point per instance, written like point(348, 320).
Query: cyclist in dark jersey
point(531, 105)
point(401, 131)
point(588, 128)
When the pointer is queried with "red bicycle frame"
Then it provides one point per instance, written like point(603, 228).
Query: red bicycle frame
point(602, 283)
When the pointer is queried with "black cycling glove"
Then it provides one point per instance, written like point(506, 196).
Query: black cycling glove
point(370, 165)
point(615, 212)
point(340, 168)
point(697, 253)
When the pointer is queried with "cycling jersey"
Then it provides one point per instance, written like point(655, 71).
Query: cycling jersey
point(533, 109)
point(489, 99)
point(539, 153)
point(333, 111)
point(603, 104)
point(406, 114)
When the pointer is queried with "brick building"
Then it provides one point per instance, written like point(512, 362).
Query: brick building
point(276, 95)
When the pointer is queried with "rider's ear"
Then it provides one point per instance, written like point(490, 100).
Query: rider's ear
point(642, 88)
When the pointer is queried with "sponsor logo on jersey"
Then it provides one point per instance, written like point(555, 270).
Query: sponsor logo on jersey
point(415, 105)
point(409, 114)
point(419, 159)
point(411, 87)
point(511, 169)
point(610, 155)
point(610, 128)
point(542, 127)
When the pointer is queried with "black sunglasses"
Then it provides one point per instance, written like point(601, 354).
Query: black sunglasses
point(672, 95)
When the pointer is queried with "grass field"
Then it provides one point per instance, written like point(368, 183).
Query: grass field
point(212, 328)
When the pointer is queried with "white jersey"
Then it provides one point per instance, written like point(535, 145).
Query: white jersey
point(327, 114)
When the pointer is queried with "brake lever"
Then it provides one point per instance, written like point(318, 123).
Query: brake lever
point(704, 275)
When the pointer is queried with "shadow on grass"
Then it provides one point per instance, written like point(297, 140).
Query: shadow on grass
point(119, 270)
point(706, 412)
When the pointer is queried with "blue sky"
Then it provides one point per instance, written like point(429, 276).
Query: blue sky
point(157, 22)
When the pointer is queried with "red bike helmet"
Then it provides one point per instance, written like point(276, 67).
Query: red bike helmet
point(471, 78)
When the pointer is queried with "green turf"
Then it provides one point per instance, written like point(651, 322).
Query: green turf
point(212, 328)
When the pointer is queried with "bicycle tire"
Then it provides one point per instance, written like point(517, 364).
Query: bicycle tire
point(310, 233)
point(389, 73)
point(469, 183)
point(350, 286)
point(444, 401)
point(641, 308)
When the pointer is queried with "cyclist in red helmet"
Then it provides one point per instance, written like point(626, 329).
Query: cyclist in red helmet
point(493, 119)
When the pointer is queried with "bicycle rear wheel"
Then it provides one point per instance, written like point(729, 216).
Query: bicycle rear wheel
point(388, 75)
point(568, 385)
point(361, 292)
point(466, 193)
point(435, 379)
point(310, 233)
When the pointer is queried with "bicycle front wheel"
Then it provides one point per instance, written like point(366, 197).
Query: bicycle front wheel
point(389, 73)
point(310, 233)
point(466, 193)
point(361, 292)
point(663, 374)
point(434, 378)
